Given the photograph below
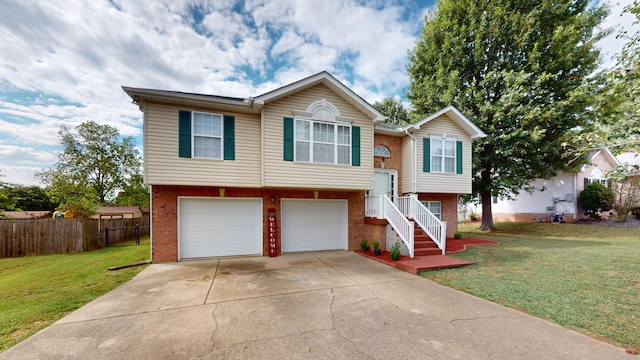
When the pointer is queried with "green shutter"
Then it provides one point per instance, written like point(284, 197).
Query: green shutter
point(426, 155)
point(458, 157)
point(229, 137)
point(288, 139)
point(184, 133)
point(355, 145)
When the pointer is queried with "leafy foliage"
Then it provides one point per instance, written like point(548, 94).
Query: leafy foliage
point(518, 70)
point(96, 162)
point(364, 245)
point(135, 193)
point(595, 198)
point(393, 109)
point(394, 252)
point(625, 183)
point(30, 198)
point(7, 202)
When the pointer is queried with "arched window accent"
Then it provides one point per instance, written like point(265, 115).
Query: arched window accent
point(381, 150)
point(595, 176)
point(323, 110)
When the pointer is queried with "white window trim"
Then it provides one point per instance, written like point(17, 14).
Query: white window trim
point(426, 204)
point(311, 141)
point(386, 153)
point(444, 140)
point(193, 136)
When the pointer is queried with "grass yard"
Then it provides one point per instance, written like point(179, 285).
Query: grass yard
point(583, 277)
point(38, 290)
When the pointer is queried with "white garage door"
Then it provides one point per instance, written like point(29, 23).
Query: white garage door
point(219, 227)
point(310, 225)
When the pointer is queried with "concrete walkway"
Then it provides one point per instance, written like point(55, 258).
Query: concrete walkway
point(325, 305)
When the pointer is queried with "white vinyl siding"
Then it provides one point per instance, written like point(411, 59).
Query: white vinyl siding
point(163, 166)
point(299, 174)
point(442, 182)
point(407, 165)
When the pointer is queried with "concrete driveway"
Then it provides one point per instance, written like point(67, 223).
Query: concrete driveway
point(324, 305)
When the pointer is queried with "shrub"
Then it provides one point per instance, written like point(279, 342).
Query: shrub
point(457, 235)
point(594, 198)
point(473, 216)
point(364, 245)
point(395, 252)
point(375, 244)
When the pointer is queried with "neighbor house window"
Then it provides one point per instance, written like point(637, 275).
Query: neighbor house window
point(319, 142)
point(443, 155)
point(435, 207)
point(207, 135)
point(588, 181)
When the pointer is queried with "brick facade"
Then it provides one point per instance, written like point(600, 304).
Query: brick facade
point(449, 209)
point(164, 213)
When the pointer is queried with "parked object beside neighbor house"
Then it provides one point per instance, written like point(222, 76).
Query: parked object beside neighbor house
point(305, 167)
point(556, 199)
point(117, 212)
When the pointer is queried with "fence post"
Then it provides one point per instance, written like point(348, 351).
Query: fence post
point(137, 234)
point(106, 237)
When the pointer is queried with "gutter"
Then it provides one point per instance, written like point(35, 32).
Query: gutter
point(414, 149)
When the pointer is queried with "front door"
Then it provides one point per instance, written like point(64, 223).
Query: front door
point(384, 183)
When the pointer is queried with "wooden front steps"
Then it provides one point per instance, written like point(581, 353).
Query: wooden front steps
point(423, 245)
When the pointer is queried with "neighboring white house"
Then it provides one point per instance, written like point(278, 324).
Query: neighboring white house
point(558, 195)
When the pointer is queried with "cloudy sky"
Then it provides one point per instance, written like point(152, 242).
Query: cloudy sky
point(63, 62)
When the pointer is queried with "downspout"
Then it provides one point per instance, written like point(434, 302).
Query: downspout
point(575, 196)
point(414, 174)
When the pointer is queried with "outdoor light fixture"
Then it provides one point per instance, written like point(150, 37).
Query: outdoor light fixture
point(273, 199)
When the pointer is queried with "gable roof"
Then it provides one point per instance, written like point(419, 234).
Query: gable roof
point(607, 155)
point(332, 83)
point(457, 117)
point(253, 105)
point(117, 209)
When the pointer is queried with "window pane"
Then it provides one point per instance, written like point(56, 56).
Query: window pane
point(323, 133)
point(205, 147)
point(302, 151)
point(207, 124)
point(436, 147)
point(323, 153)
point(215, 122)
point(449, 165)
point(344, 155)
point(436, 163)
point(343, 135)
point(302, 130)
point(450, 148)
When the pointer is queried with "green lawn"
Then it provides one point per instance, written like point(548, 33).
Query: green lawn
point(36, 291)
point(583, 277)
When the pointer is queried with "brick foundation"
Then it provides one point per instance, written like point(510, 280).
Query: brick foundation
point(449, 209)
point(164, 213)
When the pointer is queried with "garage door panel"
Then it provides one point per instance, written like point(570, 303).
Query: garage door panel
point(220, 227)
point(310, 225)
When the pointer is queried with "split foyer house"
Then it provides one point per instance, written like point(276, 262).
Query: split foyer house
point(308, 166)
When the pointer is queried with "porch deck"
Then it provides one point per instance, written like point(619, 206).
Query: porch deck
point(418, 263)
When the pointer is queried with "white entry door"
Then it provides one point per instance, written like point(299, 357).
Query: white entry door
point(211, 227)
point(311, 225)
point(384, 183)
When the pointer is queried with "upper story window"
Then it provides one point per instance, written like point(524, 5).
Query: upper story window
point(320, 142)
point(443, 155)
point(595, 176)
point(382, 151)
point(207, 135)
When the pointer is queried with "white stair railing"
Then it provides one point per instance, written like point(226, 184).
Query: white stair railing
point(428, 222)
point(374, 206)
point(399, 223)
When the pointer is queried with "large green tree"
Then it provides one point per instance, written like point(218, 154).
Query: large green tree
point(7, 202)
point(517, 69)
point(30, 198)
point(95, 163)
point(135, 193)
point(393, 109)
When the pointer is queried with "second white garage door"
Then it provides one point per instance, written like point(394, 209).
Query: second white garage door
point(219, 227)
point(310, 225)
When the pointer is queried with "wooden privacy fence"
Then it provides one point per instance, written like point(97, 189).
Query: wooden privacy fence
point(121, 230)
point(47, 236)
point(61, 236)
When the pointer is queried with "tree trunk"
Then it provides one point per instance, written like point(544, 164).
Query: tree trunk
point(487, 215)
